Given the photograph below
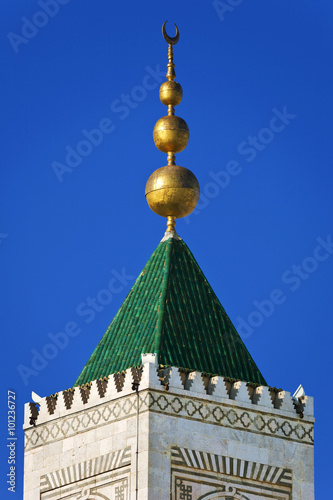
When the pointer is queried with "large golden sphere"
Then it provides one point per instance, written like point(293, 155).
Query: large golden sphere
point(171, 134)
point(171, 92)
point(172, 191)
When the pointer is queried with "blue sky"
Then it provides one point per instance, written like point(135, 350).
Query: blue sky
point(79, 102)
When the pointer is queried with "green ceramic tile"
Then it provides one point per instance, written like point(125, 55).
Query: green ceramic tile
point(173, 311)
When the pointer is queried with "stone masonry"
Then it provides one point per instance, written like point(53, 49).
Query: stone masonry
point(161, 434)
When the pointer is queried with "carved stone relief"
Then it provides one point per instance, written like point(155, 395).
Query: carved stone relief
point(197, 475)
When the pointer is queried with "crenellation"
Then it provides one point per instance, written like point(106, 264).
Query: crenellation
point(128, 385)
point(61, 407)
point(150, 373)
point(86, 432)
point(102, 385)
point(308, 406)
point(228, 384)
point(171, 379)
point(111, 391)
point(77, 402)
point(27, 415)
point(273, 392)
point(44, 414)
point(217, 387)
point(85, 392)
point(163, 374)
point(194, 383)
point(34, 408)
point(283, 401)
point(175, 378)
point(119, 379)
point(51, 402)
point(262, 397)
point(298, 405)
point(187, 379)
point(94, 394)
point(136, 375)
point(183, 375)
point(239, 392)
point(68, 397)
point(149, 357)
point(303, 405)
point(206, 378)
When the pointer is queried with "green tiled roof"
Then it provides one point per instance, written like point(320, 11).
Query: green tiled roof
point(172, 310)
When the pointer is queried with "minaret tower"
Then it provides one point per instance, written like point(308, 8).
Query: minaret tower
point(170, 405)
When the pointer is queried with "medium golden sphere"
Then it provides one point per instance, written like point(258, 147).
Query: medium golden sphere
point(171, 92)
point(171, 134)
point(172, 191)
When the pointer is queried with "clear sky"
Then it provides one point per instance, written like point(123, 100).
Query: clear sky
point(79, 102)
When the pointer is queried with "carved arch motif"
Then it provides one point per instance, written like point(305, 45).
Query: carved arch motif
point(229, 493)
point(86, 494)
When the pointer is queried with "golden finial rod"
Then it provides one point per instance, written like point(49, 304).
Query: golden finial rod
point(171, 223)
point(171, 74)
point(171, 132)
point(171, 191)
point(171, 158)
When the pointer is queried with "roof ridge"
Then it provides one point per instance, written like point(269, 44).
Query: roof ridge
point(164, 291)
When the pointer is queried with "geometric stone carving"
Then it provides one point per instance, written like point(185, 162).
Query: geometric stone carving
point(226, 477)
point(109, 485)
point(230, 466)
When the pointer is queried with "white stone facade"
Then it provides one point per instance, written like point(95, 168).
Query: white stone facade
point(179, 436)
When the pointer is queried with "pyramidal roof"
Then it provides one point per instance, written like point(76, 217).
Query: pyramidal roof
point(172, 311)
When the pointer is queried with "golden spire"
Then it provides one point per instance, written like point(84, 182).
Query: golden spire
point(171, 191)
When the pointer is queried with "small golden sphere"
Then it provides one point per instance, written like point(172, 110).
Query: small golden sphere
point(171, 92)
point(171, 134)
point(172, 191)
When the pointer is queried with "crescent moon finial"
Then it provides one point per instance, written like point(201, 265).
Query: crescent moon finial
point(170, 40)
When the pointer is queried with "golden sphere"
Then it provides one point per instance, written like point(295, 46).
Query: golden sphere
point(172, 191)
point(171, 134)
point(171, 92)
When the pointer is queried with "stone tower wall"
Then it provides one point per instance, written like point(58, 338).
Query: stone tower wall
point(175, 435)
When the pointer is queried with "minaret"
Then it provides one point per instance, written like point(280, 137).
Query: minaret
point(170, 405)
point(172, 191)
